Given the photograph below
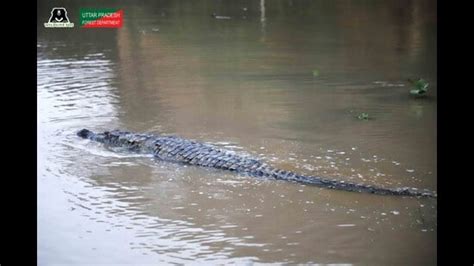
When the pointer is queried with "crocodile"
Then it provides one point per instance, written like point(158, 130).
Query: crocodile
point(180, 150)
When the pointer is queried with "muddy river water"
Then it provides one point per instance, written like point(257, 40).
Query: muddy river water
point(281, 80)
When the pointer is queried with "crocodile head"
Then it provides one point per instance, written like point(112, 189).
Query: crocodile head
point(84, 133)
point(105, 137)
point(117, 138)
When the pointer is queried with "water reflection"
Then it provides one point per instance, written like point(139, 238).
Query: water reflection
point(262, 18)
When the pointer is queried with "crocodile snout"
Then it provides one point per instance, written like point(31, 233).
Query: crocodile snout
point(84, 133)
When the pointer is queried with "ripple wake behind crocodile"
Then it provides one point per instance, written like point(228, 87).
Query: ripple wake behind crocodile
point(176, 149)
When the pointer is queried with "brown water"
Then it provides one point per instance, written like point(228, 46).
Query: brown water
point(245, 84)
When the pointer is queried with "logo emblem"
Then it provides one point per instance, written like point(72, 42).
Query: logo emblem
point(58, 19)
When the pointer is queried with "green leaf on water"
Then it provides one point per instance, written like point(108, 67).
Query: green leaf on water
point(363, 116)
point(315, 73)
point(420, 87)
point(417, 92)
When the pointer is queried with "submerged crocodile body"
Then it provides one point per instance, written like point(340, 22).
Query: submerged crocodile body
point(175, 149)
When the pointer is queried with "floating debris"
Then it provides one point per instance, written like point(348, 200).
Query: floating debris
point(420, 87)
point(363, 116)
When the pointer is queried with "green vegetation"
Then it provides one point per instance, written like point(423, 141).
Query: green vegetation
point(315, 73)
point(363, 116)
point(419, 87)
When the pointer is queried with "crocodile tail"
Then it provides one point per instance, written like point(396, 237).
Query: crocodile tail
point(354, 187)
